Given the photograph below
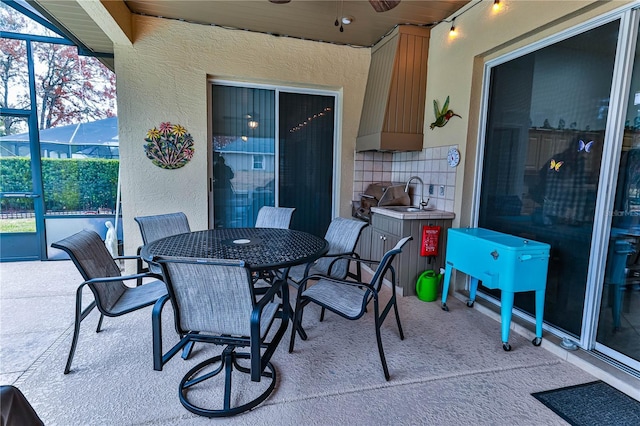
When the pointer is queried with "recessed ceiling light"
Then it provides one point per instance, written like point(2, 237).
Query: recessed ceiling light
point(346, 20)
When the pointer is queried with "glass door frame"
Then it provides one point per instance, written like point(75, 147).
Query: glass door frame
point(627, 36)
point(337, 139)
point(621, 86)
point(37, 241)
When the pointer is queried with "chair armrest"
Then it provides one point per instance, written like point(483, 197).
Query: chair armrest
point(350, 253)
point(265, 298)
point(123, 278)
point(159, 358)
point(337, 281)
point(369, 261)
point(338, 256)
point(351, 256)
point(130, 257)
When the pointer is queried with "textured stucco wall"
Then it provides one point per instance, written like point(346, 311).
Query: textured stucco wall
point(456, 67)
point(163, 77)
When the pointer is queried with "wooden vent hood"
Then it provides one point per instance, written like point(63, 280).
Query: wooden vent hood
point(394, 101)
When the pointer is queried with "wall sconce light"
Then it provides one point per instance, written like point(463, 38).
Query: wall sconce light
point(452, 31)
point(496, 5)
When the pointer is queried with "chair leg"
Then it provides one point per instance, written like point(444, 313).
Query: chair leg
point(139, 267)
point(322, 314)
point(395, 309)
point(159, 358)
point(186, 352)
point(227, 362)
point(379, 339)
point(74, 342)
point(99, 328)
point(294, 327)
point(80, 315)
point(296, 323)
point(299, 329)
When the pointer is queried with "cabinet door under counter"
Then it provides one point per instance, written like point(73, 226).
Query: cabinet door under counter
point(383, 234)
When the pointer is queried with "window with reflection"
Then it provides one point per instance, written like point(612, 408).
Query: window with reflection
point(543, 147)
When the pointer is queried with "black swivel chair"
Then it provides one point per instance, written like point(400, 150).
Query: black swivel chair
point(214, 302)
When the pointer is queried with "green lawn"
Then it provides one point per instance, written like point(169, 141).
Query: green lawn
point(18, 225)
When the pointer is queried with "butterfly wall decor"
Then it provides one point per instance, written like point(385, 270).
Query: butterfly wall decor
point(586, 147)
point(555, 165)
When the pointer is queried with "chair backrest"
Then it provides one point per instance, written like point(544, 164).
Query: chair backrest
point(163, 225)
point(385, 263)
point(209, 295)
point(88, 252)
point(274, 217)
point(342, 236)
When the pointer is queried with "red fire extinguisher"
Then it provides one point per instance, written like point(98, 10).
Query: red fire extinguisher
point(429, 243)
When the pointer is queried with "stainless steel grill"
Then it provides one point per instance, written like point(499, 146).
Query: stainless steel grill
point(379, 194)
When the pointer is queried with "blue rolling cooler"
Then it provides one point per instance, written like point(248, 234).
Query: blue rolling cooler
point(501, 261)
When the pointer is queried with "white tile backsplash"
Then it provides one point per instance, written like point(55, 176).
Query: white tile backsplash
point(451, 178)
point(428, 153)
point(430, 165)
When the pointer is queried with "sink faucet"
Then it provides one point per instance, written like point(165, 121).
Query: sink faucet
point(423, 204)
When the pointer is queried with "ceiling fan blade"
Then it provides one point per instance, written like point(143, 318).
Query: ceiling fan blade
point(384, 5)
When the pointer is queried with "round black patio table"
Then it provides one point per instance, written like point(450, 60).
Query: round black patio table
point(260, 248)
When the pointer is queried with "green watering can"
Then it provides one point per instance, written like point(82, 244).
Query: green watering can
point(427, 285)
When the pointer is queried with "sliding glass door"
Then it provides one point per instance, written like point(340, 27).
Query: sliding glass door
point(272, 147)
point(618, 327)
point(306, 159)
point(551, 149)
point(244, 136)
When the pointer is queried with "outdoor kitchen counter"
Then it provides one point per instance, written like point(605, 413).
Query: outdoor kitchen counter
point(388, 226)
point(420, 215)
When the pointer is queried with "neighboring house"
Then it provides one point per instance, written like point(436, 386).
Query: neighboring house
point(96, 139)
point(252, 164)
point(251, 161)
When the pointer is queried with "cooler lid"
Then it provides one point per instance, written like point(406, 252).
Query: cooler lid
point(506, 240)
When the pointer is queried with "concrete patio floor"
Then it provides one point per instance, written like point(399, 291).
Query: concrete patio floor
point(450, 369)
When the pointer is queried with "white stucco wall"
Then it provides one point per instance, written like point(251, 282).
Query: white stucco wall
point(163, 77)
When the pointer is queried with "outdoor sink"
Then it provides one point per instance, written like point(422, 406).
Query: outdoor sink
point(402, 208)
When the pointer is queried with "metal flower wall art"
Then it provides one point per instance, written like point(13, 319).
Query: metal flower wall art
point(442, 115)
point(169, 146)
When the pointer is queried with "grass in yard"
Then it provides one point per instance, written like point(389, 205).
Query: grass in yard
point(18, 225)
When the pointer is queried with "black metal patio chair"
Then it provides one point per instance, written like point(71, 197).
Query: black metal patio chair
point(342, 236)
point(349, 299)
point(102, 275)
point(271, 217)
point(154, 227)
point(274, 217)
point(214, 302)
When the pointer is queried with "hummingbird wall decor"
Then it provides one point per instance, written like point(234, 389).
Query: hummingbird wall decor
point(442, 115)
